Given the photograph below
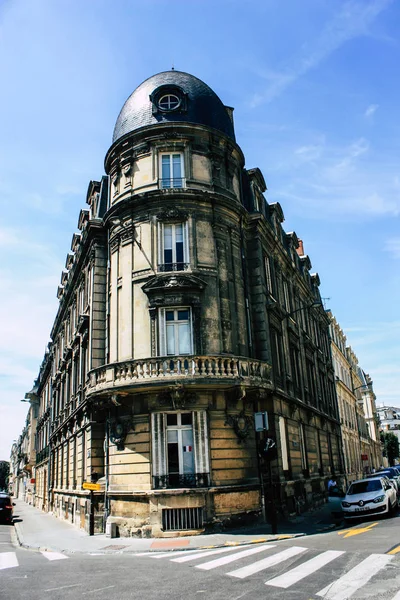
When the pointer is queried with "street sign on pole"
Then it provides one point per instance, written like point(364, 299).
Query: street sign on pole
point(261, 421)
point(93, 487)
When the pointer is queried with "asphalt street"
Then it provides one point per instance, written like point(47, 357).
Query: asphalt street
point(360, 561)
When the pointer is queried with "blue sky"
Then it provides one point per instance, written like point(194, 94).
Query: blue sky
point(315, 88)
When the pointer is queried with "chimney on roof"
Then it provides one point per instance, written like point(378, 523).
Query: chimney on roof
point(300, 249)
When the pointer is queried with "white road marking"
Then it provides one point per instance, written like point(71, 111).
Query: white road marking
point(305, 569)
point(202, 554)
point(63, 587)
point(54, 555)
point(225, 560)
point(98, 590)
point(356, 578)
point(173, 553)
point(152, 554)
point(8, 560)
point(267, 562)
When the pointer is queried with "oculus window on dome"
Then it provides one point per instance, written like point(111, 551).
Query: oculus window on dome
point(168, 98)
point(169, 102)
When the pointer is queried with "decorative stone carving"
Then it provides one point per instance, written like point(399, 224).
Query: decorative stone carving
point(172, 214)
point(127, 171)
point(184, 282)
point(177, 397)
point(115, 181)
point(242, 425)
point(118, 430)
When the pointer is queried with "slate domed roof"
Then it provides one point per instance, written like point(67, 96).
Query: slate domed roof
point(199, 105)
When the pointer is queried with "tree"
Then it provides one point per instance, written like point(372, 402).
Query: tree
point(390, 446)
point(4, 472)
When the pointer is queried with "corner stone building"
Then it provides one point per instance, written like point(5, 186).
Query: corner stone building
point(184, 309)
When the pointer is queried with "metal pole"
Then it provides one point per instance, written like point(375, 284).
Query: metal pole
point(91, 514)
point(260, 474)
point(271, 502)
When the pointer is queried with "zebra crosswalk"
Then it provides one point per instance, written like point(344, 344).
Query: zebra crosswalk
point(277, 566)
point(9, 560)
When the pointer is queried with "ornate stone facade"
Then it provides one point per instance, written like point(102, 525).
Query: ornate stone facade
point(184, 309)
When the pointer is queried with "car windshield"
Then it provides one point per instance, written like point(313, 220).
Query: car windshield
point(4, 501)
point(360, 487)
point(388, 473)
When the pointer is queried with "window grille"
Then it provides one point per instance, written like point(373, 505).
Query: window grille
point(182, 519)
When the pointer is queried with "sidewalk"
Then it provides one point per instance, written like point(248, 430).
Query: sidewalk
point(42, 531)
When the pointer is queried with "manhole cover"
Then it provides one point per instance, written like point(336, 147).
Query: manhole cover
point(114, 547)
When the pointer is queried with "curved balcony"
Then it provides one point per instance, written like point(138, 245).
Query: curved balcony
point(217, 371)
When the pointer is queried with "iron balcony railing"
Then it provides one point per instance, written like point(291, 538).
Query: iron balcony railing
point(176, 480)
point(174, 182)
point(168, 267)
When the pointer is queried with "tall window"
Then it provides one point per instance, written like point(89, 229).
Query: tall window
point(173, 254)
point(303, 449)
point(175, 331)
point(172, 170)
point(284, 446)
point(277, 356)
point(180, 449)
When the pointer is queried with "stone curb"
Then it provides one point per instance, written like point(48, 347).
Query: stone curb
point(274, 538)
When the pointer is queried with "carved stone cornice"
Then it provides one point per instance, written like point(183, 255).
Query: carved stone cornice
point(177, 397)
point(163, 287)
point(172, 214)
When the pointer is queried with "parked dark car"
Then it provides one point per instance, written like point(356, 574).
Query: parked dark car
point(6, 508)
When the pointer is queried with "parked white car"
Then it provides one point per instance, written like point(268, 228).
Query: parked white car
point(373, 496)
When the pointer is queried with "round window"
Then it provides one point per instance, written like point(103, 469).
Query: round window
point(169, 102)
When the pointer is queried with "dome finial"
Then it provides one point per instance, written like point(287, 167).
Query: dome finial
point(173, 66)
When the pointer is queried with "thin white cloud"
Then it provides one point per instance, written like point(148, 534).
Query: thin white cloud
point(353, 20)
point(371, 110)
point(393, 247)
point(328, 179)
point(356, 149)
point(309, 153)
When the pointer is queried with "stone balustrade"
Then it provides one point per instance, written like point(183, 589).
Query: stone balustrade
point(195, 368)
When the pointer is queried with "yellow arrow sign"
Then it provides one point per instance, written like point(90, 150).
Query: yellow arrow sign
point(356, 531)
point(95, 487)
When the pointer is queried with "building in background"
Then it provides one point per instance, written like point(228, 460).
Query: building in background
point(185, 309)
point(23, 455)
point(356, 400)
point(389, 419)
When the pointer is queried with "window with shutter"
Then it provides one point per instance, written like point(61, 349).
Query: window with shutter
point(180, 449)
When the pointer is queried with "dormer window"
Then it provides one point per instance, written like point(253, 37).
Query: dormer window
point(169, 102)
point(167, 98)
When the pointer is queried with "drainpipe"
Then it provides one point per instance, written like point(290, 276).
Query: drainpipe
point(245, 289)
point(106, 471)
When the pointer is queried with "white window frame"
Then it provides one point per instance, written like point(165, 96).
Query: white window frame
point(182, 166)
point(180, 428)
point(163, 346)
point(161, 244)
point(176, 102)
point(284, 444)
point(200, 443)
